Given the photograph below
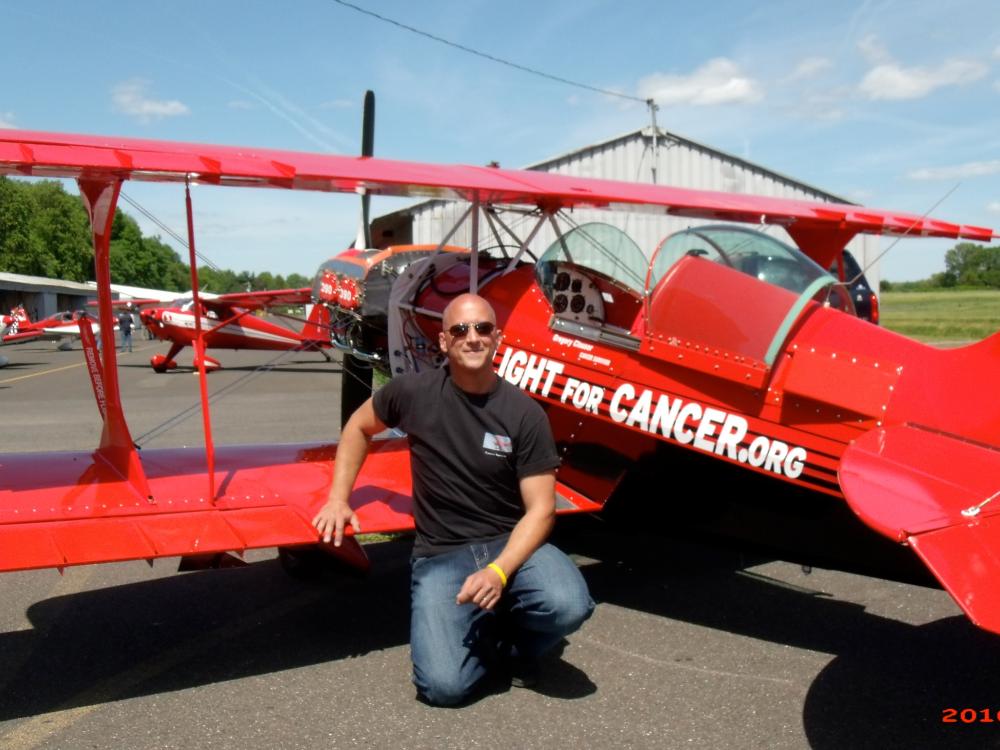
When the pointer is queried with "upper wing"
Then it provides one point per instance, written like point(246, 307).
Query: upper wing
point(60, 155)
point(259, 300)
point(71, 509)
point(132, 303)
point(71, 329)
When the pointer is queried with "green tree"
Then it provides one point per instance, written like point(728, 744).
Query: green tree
point(20, 250)
point(59, 224)
point(968, 264)
point(44, 231)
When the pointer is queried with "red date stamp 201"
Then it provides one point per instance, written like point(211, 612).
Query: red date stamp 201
point(970, 716)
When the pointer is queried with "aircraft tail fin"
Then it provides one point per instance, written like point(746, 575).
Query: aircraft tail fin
point(317, 326)
point(940, 495)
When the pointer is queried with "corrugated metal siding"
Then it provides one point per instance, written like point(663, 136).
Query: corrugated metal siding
point(629, 158)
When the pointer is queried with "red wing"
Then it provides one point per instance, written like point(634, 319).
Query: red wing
point(259, 300)
point(131, 303)
point(60, 155)
point(20, 338)
point(939, 494)
point(68, 509)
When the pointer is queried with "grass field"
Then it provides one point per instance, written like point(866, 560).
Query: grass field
point(942, 315)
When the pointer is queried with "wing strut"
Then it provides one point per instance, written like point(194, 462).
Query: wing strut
point(199, 344)
point(474, 245)
point(116, 451)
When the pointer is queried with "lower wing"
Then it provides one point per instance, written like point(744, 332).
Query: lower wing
point(60, 509)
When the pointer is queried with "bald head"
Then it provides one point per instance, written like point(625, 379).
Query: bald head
point(469, 339)
point(468, 308)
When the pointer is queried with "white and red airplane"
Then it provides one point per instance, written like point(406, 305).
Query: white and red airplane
point(63, 327)
point(229, 322)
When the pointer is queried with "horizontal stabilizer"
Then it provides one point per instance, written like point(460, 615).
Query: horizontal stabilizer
point(938, 494)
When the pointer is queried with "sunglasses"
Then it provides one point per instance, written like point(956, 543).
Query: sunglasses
point(483, 328)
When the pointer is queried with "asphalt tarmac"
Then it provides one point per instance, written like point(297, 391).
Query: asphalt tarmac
point(690, 646)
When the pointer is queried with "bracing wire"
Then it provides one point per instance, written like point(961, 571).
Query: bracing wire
point(183, 242)
point(492, 58)
point(221, 393)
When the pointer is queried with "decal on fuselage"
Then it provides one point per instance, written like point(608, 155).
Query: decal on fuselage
point(704, 428)
point(585, 353)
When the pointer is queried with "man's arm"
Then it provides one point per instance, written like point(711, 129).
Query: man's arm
point(351, 452)
point(538, 492)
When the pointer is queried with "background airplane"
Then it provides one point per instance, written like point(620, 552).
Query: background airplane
point(63, 327)
point(229, 321)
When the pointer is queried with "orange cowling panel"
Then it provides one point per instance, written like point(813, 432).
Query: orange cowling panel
point(62, 509)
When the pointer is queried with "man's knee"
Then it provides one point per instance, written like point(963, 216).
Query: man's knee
point(571, 608)
point(441, 689)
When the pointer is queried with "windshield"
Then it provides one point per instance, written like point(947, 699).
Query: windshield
point(597, 247)
point(754, 253)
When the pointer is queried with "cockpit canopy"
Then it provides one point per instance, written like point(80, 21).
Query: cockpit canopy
point(593, 275)
point(597, 247)
point(747, 250)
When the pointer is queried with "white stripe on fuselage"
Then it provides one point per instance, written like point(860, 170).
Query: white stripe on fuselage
point(186, 321)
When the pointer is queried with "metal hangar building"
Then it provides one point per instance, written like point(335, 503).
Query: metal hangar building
point(667, 159)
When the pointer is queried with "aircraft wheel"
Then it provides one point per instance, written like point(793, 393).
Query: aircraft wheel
point(160, 363)
point(3, 361)
point(310, 564)
point(65, 346)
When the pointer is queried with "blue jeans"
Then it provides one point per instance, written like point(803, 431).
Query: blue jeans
point(453, 645)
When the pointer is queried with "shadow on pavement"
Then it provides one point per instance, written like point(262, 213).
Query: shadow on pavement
point(888, 683)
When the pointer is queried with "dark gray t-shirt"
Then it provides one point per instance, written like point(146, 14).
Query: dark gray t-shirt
point(468, 452)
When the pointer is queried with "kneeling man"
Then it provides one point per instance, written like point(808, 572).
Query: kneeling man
point(485, 584)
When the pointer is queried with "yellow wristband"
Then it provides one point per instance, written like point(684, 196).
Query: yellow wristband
point(499, 571)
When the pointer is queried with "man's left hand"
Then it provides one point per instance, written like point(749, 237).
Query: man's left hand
point(482, 588)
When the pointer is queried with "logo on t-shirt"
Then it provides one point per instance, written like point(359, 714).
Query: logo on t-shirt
point(497, 443)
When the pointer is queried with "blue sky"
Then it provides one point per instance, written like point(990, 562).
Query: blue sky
point(887, 103)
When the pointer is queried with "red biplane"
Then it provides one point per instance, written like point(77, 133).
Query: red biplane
point(227, 321)
point(727, 349)
point(350, 294)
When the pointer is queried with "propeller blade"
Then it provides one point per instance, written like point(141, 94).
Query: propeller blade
point(364, 238)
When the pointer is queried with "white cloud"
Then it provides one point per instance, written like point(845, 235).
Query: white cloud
point(996, 53)
point(993, 207)
point(810, 67)
point(872, 49)
point(827, 105)
point(130, 98)
point(957, 172)
point(718, 81)
point(892, 81)
point(7, 120)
